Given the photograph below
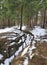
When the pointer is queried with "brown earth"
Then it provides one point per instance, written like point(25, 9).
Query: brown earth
point(39, 58)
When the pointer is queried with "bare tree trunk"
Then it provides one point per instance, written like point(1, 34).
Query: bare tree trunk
point(44, 18)
point(18, 20)
point(21, 17)
point(29, 22)
point(36, 18)
point(8, 22)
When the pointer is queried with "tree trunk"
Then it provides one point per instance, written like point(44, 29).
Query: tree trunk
point(29, 22)
point(36, 19)
point(44, 18)
point(21, 17)
point(8, 22)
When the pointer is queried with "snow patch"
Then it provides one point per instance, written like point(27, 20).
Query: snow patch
point(12, 43)
point(38, 31)
point(26, 61)
point(8, 60)
point(11, 29)
point(5, 30)
point(23, 27)
point(12, 38)
point(28, 40)
point(44, 40)
point(1, 56)
point(19, 50)
point(25, 51)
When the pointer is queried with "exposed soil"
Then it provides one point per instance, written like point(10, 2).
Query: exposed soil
point(39, 58)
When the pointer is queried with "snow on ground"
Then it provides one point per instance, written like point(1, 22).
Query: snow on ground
point(29, 50)
point(25, 51)
point(23, 27)
point(3, 37)
point(28, 40)
point(44, 40)
point(9, 60)
point(1, 56)
point(19, 50)
point(12, 43)
point(38, 31)
point(11, 29)
point(13, 38)
point(5, 30)
point(26, 61)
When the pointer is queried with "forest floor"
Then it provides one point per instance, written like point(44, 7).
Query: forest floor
point(38, 56)
point(30, 52)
